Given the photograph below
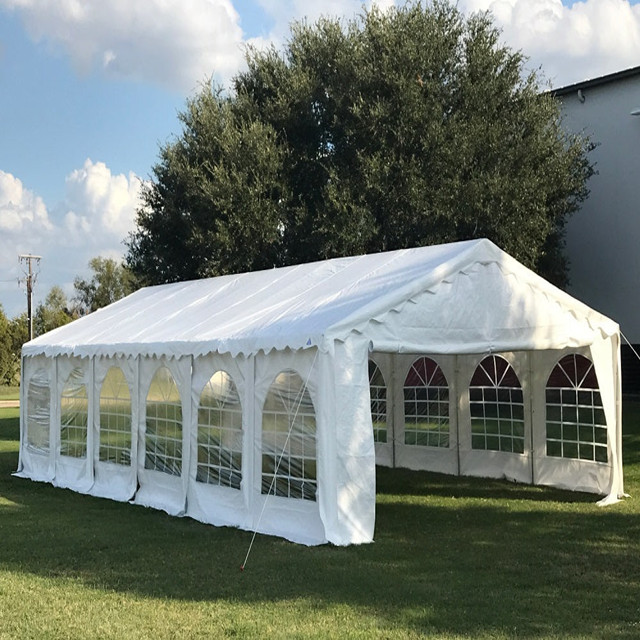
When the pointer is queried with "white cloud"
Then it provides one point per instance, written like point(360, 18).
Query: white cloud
point(586, 40)
point(176, 44)
point(571, 43)
point(180, 44)
point(25, 227)
point(284, 12)
point(101, 204)
point(98, 212)
point(20, 209)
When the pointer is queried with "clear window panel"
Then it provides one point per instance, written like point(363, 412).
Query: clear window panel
point(163, 438)
point(426, 405)
point(115, 418)
point(289, 439)
point(576, 424)
point(378, 392)
point(74, 412)
point(38, 412)
point(496, 404)
point(220, 433)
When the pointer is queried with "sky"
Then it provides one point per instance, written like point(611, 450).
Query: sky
point(89, 91)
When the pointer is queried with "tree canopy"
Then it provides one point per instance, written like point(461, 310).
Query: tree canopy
point(13, 333)
point(53, 312)
point(401, 128)
point(110, 281)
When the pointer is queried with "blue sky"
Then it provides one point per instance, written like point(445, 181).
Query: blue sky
point(89, 90)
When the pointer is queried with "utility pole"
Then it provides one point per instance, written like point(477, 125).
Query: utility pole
point(30, 281)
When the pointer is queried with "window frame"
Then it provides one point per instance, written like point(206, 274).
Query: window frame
point(227, 471)
point(497, 407)
point(573, 436)
point(426, 395)
point(39, 412)
point(74, 416)
point(107, 452)
point(378, 395)
point(169, 462)
point(288, 466)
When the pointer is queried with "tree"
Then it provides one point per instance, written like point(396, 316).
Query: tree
point(111, 280)
point(401, 128)
point(6, 355)
point(53, 313)
point(13, 333)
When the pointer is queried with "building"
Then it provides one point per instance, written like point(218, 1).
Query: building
point(603, 239)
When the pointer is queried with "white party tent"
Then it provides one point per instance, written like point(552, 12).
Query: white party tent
point(264, 400)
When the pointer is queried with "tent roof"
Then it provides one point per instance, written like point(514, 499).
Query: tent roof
point(316, 303)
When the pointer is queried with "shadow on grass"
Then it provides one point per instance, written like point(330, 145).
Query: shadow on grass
point(454, 559)
point(10, 426)
point(459, 556)
point(403, 482)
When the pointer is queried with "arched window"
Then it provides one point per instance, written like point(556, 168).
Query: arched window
point(426, 405)
point(220, 433)
point(74, 412)
point(576, 424)
point(115, 418)
point(38, 412)
point(163, 438)
point(378, 392)
point(497, 407)
point(289, 439)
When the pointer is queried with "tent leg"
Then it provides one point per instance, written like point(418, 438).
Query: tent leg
point(391, 411)
point(532, 391)
point(456, 395)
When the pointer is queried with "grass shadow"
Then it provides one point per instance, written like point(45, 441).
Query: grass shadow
point(453, 557)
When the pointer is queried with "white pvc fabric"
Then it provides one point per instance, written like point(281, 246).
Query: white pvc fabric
point(152, 363)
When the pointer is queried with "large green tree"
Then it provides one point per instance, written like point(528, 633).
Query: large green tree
point(402, 128)
point(110, 281)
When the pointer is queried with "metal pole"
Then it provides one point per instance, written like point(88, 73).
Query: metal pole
point(28, 258)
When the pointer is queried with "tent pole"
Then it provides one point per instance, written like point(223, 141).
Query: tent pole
point(391, 413)
point(456, 395)
point(532, 390)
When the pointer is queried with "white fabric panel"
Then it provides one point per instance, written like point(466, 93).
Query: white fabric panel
point(219, 505)
point(294, 519)
point(499, 305)
point(564, 473)
point(416, 457)
point(263, 310)
point(111, 480)
point(355, 474)
point(35, 463)
point(155, 488)
point(71, 472)
point(605, 356)
point(327, 495)
point(488, 307)
point(486, 463)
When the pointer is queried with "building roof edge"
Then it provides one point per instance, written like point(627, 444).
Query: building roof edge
point(594, 82)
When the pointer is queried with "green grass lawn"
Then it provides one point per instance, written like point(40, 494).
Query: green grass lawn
point(9, 393)
point(453, 558)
